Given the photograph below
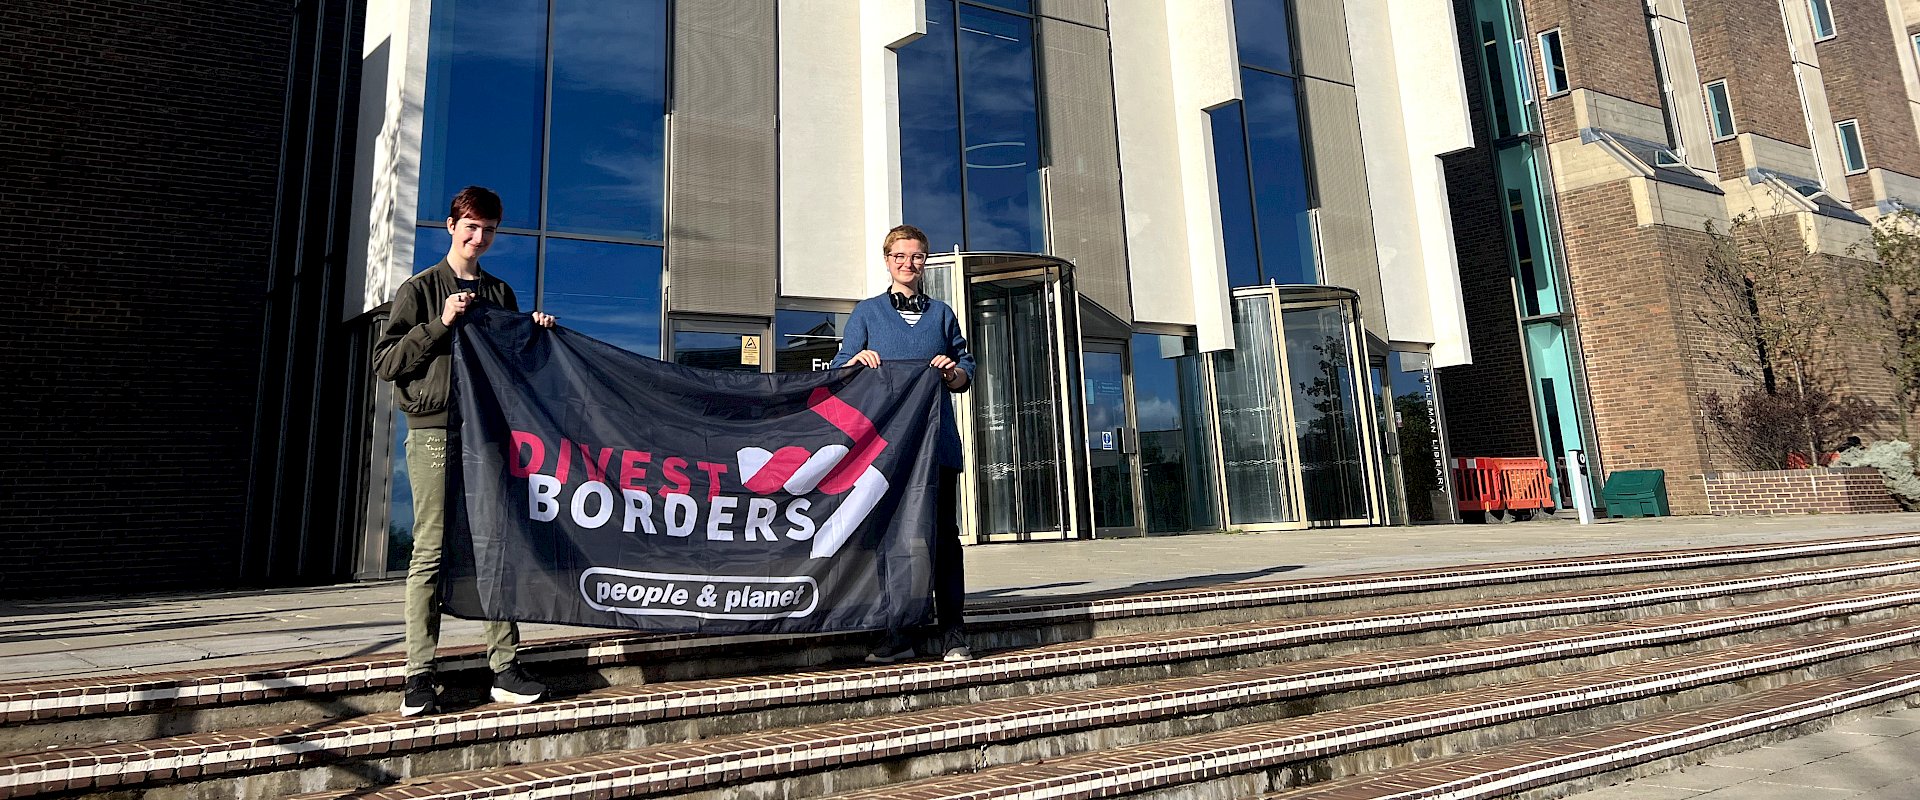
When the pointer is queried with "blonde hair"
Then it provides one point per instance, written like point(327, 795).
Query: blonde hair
point(903, 232)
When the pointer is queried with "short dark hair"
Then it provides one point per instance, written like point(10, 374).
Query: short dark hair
point(903, 232)
point(478, 202)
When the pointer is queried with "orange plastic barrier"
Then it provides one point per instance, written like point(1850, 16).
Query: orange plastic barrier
point(1497, 484)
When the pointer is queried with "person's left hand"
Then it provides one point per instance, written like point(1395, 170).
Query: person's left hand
point(949, 370)
point(543, 320)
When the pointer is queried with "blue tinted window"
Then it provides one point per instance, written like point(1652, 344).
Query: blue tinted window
point(1022, 6)
point(806, 341)
point(610, 292)
point(606, 170)
point(1236, 195)
point(1280, 192)
point(486, 80)
point(511, 259)
point(930, 131)
point(1002, 128)
point(710, 350)
point(1264, 31)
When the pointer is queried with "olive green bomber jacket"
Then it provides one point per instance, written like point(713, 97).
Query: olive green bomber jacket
point(414, 349)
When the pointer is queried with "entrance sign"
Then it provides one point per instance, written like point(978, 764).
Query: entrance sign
point(599, 487)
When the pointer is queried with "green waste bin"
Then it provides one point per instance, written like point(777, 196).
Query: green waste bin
point(1636, 493)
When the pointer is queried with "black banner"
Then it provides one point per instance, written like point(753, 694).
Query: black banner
point(599, 487)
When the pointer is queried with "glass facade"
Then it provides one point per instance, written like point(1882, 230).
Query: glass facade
point(1178, 485)
point(1544, 320)
point(806, 341)
point(560, 107)
point(970, 130)
point(1328, 402)
point(1260, 156)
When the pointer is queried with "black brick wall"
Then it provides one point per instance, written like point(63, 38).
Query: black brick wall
point(141, 142)
point(1487, 405)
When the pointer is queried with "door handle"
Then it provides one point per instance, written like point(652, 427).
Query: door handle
point(1129, 440)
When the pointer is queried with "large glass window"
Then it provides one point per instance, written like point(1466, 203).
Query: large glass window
point(1234, 181)
point(486, 89)
point(560, 107)
point(806, 341)
point(608, 291)
point(1505, 75)
point(1263, 32)
point(970, 130)
point(1260, 160)
point(1177, 479)
point(606, 172)
point(1280, 194)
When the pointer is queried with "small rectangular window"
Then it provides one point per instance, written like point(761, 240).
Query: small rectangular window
point(1822, 18)
point(1916, 46)
point(1851, 152)
point(1720, 110)
point(1553, 62)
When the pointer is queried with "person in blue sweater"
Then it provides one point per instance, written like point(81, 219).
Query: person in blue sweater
point(906, 325)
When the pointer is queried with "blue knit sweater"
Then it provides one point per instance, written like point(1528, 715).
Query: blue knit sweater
point(876, 326)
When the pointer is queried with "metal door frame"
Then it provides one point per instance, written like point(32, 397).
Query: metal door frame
point(950, 277)
point(1124, 349)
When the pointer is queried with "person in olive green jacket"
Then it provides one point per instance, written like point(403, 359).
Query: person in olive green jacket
point(414, 351)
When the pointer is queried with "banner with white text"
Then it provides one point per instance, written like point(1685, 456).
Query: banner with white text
point(598, 487)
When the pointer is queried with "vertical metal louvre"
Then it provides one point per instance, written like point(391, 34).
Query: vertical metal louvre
point(723, 202)
point(1324, 52)
point(1347, 252)
point(1083, 154)
point(1085, 12)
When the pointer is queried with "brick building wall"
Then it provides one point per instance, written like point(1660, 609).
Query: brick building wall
point(1607, 41)
point(1744, 42)
point(143, 142)
point(1487, 406)
point(1861, 73)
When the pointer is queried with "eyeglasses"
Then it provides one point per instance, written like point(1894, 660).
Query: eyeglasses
point(917, 258)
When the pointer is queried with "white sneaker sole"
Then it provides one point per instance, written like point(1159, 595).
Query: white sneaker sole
point(503, 696)
point(413, 711)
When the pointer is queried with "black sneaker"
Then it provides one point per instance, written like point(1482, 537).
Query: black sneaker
point(511, 685)
point(421, 696)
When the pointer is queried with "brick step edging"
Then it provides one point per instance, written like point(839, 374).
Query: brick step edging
point(1543, 762)
point(48, 700)
point(687, 766)
point(233, 751)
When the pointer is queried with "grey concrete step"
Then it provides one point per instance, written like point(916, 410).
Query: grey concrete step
point(1268, 677)
point(966, 748)
point(309, 693)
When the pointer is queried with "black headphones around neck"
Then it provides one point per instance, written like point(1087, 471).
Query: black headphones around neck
point(915, 303)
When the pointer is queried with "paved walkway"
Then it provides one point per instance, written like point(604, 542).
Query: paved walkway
point(123, 636)
point(1874, 758)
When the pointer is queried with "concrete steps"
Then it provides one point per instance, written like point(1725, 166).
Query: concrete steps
point(1554, 647)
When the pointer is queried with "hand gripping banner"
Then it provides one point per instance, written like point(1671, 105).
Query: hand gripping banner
point(599, 487)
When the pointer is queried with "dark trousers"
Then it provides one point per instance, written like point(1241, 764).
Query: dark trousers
point(949, 571)
point(949, 565)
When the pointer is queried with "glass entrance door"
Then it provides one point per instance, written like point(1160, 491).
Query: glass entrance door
point(1296, 416)
point(1019, 453)
point(1112, 441)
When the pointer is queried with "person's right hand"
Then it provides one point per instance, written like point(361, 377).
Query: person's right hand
point(866, 358)
point(457, 304)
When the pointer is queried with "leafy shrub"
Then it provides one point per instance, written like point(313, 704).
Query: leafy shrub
point(1894, 459)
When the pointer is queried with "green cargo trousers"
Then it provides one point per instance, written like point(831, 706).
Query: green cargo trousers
point(427, 471)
